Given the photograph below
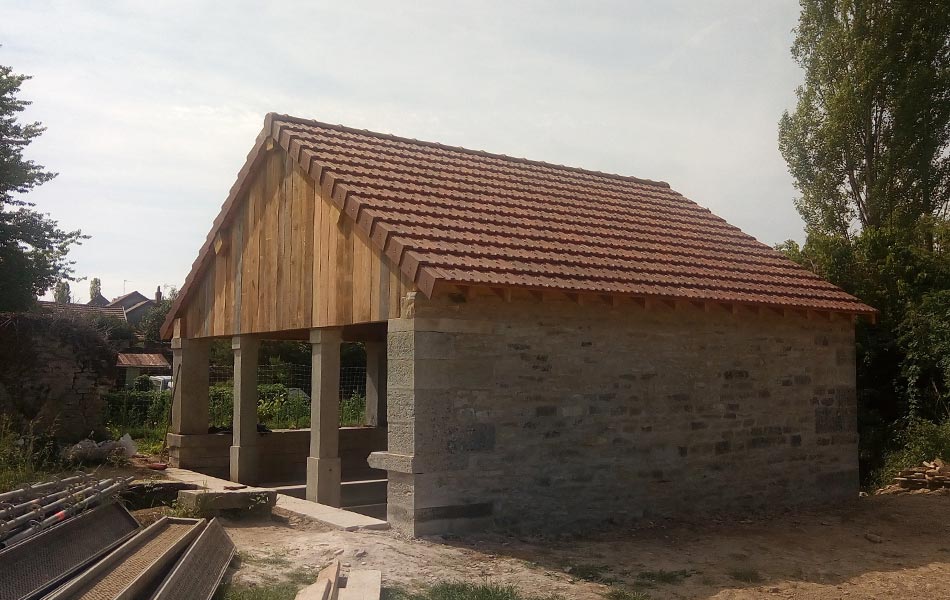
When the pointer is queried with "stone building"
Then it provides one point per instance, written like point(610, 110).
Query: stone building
point(548, 347)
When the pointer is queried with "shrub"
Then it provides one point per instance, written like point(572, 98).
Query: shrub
point(918, 441)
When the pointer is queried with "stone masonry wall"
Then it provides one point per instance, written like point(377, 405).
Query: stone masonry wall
point(53, 372)
point(553, 415)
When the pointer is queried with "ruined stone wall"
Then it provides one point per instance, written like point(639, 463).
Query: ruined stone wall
point(53, 372)
point(554, 415)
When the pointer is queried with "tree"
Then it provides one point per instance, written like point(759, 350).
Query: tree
point(151, 323)
point(867, 141)
point(33, 248)
point(868, 147)
point(95, 288)
point(61, 293)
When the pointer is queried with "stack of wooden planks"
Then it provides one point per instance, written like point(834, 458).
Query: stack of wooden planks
point(932, 474)
point(331, 585)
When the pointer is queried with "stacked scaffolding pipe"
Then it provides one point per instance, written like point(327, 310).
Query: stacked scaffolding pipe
point(35, 490)
point(32, 517)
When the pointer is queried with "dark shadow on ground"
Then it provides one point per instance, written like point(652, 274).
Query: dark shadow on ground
point(862, 547)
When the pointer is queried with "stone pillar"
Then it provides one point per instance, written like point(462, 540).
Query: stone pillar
point(245, 460)
point(434, 364)
point(376, 384)
point(323, 464)
point(190, 377)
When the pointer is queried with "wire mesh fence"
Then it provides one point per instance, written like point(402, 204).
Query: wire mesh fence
point(283, 401)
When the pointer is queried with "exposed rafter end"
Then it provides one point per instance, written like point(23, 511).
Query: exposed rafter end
point(269, 144)
point(220, 242)
point(503, 293)
point(536, 295)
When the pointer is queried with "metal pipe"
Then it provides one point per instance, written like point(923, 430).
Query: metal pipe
point(41, 487)
point(65, 513)
point(42, 510)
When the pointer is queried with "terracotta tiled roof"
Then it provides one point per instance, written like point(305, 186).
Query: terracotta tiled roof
point(154, 361)
point(447, 214)
point(83, 310)
point(467, 217)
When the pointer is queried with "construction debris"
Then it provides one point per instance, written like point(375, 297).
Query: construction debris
point(70, 539)
point(932, 475)
point(332, 585)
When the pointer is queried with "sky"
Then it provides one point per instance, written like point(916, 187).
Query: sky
point(151, 107)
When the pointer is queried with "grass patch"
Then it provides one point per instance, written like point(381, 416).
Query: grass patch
point(622, 594)
point(274, 560)
point(663, 576)
point(277, 591)
point(594, 573)
point(463, 591)
point(746, 575)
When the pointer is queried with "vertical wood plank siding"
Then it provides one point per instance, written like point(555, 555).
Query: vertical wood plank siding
point(289, 260)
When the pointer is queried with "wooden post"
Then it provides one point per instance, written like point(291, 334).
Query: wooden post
point(376, 384)
point(323, 464)
point(190, 396)
point(245, 458)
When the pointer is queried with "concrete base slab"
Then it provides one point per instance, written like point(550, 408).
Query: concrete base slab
point(328, 515)
point(362, 585)
point(209, 501)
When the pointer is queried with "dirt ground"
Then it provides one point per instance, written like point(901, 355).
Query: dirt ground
point(886, 546)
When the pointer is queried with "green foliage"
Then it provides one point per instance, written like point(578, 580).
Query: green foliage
point(62, 293)
point(25, 455)
point(617, 593)
point(33, 248)
point(925, 339)
point(868, 146)
point(464, 591)
point(353, 410)
point(918, 441)
point(95, 288)
point(150, 325)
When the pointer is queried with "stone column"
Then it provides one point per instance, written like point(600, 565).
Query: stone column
point(433, 366)
point(190, 377)
point(323, 464)
point(376, 384)
point(245, 460)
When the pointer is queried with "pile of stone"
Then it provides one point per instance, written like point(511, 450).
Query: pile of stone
point(932, 474)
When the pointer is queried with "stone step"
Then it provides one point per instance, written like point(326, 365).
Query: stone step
point(359, 493)
point(362, 585)
point(376, 511)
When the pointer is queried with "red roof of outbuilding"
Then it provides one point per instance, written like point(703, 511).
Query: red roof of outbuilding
point(126, 359)
point(473, 218)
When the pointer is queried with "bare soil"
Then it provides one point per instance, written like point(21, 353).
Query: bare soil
point(884, 546)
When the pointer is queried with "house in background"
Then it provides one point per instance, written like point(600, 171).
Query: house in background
point(99, 300)
point(136, 304)
point(131, 366)
point(83, 310)
point(551, 347)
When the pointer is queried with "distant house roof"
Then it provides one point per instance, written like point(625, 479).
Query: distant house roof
point(153, 361)
point(465, 217)
point(139, 305)
point(98, 300)
point(129, 300)
point(83, 310)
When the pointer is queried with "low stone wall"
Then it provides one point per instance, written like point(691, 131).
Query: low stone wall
point(283, 453)
point(557, 415)
point(53, 373)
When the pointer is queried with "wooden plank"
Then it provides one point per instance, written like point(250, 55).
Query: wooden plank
point(290, 294)
point(252, 255)
point(221, 277)
point(267, 310)
point(304, 198)
point(344, 272)
point(285, 302)
point(237, 264)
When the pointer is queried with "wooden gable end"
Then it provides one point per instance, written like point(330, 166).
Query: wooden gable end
point(287, 259)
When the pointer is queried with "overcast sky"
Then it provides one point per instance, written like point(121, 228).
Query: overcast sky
point(151, 107)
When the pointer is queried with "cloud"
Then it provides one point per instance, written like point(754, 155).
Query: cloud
point(151, 108)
